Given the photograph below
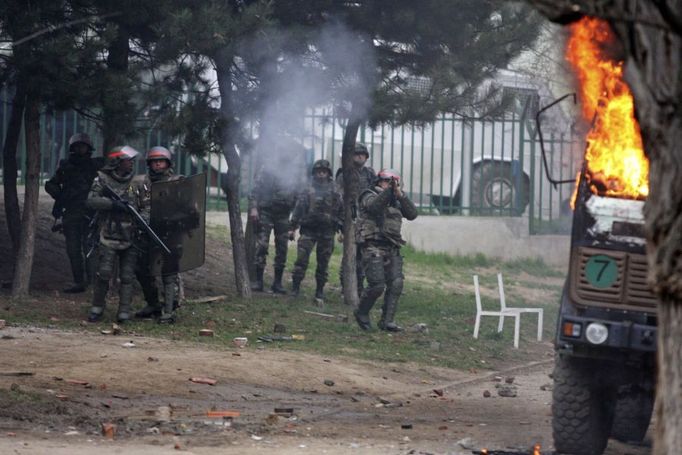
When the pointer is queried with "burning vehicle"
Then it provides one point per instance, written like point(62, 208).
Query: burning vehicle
point(606, 332)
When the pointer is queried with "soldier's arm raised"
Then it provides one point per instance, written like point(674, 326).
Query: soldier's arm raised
point(375, 204)
point(407, 208)
point(96, 201)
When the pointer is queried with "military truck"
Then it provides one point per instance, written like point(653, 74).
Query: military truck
point(604, 371)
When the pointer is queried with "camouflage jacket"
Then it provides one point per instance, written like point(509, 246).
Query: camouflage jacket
point(70, 184)
point(117, 229)
point(319, 209)
point(381, 214)
point(366, 178)
point(271, 193)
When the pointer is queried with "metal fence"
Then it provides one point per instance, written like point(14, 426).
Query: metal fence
point(452, 166)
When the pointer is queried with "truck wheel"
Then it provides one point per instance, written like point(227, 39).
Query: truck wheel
point(582, 410)
point(632, 414)
point(495, 187)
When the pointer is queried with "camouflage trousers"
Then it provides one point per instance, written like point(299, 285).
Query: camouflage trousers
point(383, 266)
point(127, 261)
point(75, 234)
point(150, 290)
point(306, 245)
point(279, 222)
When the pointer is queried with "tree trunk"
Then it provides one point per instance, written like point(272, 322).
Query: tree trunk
point(9, 167)
point(350, 185)
point(115, 105)
point(651, 35)
point(24, 262)
point(234, 166)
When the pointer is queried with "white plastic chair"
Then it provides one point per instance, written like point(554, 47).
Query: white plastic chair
point(504, 312)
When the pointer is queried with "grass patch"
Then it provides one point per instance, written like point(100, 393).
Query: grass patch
point(438, 292)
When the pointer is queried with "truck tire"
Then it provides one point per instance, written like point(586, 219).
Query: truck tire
point(582, 410)
point(496, 188)
point(632, 414)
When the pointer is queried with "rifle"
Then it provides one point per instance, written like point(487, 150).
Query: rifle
point(92, 239)
point(111, 194)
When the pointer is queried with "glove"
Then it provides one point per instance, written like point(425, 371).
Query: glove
point(119, 206)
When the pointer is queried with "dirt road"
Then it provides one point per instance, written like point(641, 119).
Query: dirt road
point(370, 408)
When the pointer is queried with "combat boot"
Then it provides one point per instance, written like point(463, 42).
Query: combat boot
point(98, 300)
point(319, 291)
point(257, 285)
point(277, 287)
point(362, 315)
point(151, 310)
point(296, 287)
point(125, 299)
point(388, 314)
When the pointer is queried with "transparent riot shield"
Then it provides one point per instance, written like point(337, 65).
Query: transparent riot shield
point(178, 216)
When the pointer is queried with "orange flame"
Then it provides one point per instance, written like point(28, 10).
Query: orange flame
point(615, 155)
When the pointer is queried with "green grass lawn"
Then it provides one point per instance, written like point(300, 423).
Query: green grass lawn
point(438, 292)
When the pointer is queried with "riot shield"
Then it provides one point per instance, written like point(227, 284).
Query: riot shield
point(178, 216)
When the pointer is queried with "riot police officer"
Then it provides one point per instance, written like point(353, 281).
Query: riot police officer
point(319, 214)
point(366, 178)
point(379, 223)
point(69, 188)
point(117, 231)
point(159, 169)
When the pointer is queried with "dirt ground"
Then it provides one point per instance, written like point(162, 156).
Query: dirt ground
point(145, 390)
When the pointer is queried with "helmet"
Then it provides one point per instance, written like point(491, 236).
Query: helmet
point(322, 164)
point(118, 154)
point(159, 153)
point(361, 149)
point(81, 137)
point(388, 174)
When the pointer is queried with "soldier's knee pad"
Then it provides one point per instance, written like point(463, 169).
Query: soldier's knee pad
point(105, 271)
point(374, 291)
point(396, 286)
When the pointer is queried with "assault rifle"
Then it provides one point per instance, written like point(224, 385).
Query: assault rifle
point(111, 194)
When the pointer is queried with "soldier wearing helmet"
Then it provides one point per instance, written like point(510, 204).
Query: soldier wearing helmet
point(159, 169)
point(365, 179)
point(270, 204)
point(69, 188)
point(382, 209)
point(117, 231)
point(319, 214)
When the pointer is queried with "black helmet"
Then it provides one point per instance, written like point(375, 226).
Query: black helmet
point(322, 164)
point(83, 138)
point(361, 149)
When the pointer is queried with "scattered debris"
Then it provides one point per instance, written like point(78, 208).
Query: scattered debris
point(383, 400)
point(116, 329)
point(71, 433)
point(224, 414)
point(329, 382)
point(439, 392)
point(331, 317)
point(200, 380)
point(509, 379)
point(17, 373)
point(420, 327)
point(508, 391)
point(205, 333)
point(279, 328)
point(163, 413)
point(272, 419)
point(256, 437)
point(10, 434)
point(443, 427)
point(76, 381)
point(129, 344)
point(208, 299)
point(120, 397)
point(8, 337)
point(467, 443)
point(240, 342)
point(152, 359)
point(486, 394)
point(406, 426)
point(284, 412)
point(108, 430)
point(497, 379)
point(546, 387)
point(177, 446)
point(62, 397)
point(435, 346)
point(236, 354)
point(273, 338)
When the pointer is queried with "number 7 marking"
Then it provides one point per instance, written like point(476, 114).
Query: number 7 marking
point(605, 264)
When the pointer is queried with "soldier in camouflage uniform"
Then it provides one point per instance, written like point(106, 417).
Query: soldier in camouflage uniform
point(159, 169)
point(69, 188)
point(366, 178)
point(270, 205)
point(382, 209)
point(117, 231)
point(319, 213)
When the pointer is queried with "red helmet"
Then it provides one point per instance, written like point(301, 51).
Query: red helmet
point(159, 153)
point(388, 174)
point(118, 154)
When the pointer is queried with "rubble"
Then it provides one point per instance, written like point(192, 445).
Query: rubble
point(329, 383)
point(508, 391)
point(486, 394)
point(201, 380)
point(205, 333)
point(108, 430)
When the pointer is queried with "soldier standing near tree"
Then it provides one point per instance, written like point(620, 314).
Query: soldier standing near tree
point(69, 188)
point(117, 231)
point(379, 223)
point(366, 178)
point(270, 204)
point(319, 214)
